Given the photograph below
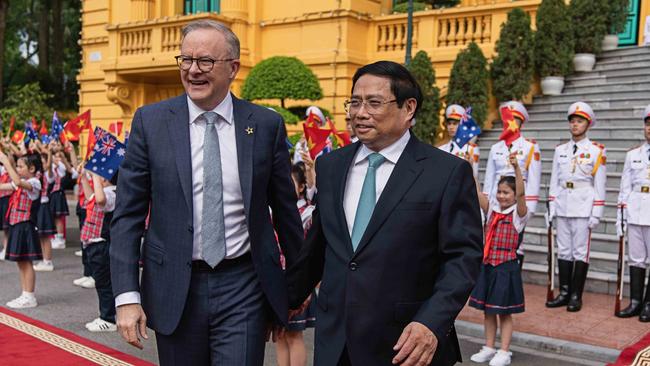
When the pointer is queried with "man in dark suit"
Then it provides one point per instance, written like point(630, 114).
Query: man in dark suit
point(208, 166)
point(396, 239)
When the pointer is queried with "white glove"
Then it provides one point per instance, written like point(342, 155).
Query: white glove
point(593, 222)
point(619, 230)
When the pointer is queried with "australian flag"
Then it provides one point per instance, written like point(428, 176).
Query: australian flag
point(30, 132)
point(57, 127)
point(107, 155)
point(467, 129)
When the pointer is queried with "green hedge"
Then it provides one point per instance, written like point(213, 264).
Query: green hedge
point(428, 116)
point(589, 19)
point(554, 41)
point(468, 82)
point(287, 116)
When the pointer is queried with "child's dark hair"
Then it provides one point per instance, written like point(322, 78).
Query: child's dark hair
point(33, 160)
point(509, 181)
point(113, 179)
point(298, 173)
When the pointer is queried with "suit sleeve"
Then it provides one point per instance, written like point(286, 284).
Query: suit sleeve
point(282, 199)
point(131, 208)
point(460, 253)
point(307, 270)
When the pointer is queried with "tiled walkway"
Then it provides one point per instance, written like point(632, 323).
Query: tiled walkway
point(595, 324)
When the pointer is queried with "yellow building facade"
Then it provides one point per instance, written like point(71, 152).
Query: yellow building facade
point(128, 46)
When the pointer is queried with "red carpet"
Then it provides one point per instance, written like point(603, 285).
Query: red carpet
point(25, 341)
point(637, 354)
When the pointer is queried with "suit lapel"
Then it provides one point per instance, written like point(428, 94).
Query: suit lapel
point(340, 195)
point(403, 176)
point(245, 131)
point(179, 132)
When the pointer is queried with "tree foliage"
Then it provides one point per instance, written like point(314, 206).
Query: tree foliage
point(428, 116)
point(513, 67)
point(287, 116)
point(554, 39)
point(589, 18)
point(281, 78)
point(403, 7)
point(617, 16)
point(468, 82)
point(25, 102)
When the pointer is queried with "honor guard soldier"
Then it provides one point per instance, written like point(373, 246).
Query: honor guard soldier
point(577, 200)
point(470, 152)
point(634, 197)
point(529, 158)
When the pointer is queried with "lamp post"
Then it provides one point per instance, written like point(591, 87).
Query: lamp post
point(409, 33)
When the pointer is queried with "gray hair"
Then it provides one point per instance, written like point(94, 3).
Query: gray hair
point(231, 38)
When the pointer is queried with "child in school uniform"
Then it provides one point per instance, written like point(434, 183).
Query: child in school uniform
point(44, 219)
point(95, 237)
point(58, 202)
point(23, 245)
point(499, 289)
point(4, 204)
point(86, 280)
point(290, 346)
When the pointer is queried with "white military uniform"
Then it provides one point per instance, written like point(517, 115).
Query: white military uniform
point(634, 197)
point(528, 156)
point(577, 193)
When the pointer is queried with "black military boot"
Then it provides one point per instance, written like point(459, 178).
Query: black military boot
point(637, 276)
point(565, 269)
point(645, 312)
point(578, 285)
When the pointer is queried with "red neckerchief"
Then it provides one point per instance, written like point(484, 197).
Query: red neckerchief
point(13, 201)
point(494, 221)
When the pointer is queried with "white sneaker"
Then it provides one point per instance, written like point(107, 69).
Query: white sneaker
point(484, 355)
point(80, 280)
point(2, 254)
point(78, 253)
point(502, 358)
point(88, 283)
point(58, 243)
point(42, 266)
point(22, 302)
point(100, 325)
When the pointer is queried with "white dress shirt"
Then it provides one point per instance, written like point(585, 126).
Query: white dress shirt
point(237, 238)
point(357, 174)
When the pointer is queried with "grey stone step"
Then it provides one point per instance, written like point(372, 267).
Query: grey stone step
point(598, 94)
point(621, 65)
point(598, 261)
point(597, 282)
point(627, 71)
point(587, 80)
point(624, 51)
point(606, 59)
point(614, 108)
point(613, 87)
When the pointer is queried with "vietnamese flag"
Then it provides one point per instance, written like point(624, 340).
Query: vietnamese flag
point(18, 137)
point(75, 126)
point(510, 128)
point(116, 128)
point(343, 137)
point(316, 138)
point(43, 130)
point(12, 121)
point(91, 144)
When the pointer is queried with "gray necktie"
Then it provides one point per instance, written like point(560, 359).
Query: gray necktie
point(213, 230)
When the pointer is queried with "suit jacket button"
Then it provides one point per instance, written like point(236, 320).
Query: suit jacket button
point(190, 229)
point(353, 266)
point(189, 264)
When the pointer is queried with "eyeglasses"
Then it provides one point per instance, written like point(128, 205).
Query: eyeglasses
point(373, 106)
point(205, 64)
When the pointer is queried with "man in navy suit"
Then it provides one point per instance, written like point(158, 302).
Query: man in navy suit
point(396, 238)
point(208, 166)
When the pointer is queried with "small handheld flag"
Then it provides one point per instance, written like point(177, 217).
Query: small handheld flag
point(107, 154)
point(510, 128)
point(467, 129)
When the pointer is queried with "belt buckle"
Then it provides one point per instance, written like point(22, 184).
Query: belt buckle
point(645, 189)
point(569, 185)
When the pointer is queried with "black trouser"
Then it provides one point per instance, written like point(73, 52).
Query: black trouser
point(99, 262)
point(81, 214)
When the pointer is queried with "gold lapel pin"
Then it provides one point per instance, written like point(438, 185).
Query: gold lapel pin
point(249, 130)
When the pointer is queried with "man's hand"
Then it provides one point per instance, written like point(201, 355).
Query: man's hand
point(593, 222)
point(416, 345)
point(132, 324)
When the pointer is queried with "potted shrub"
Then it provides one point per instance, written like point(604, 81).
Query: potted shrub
point(554, 44)
point(589, 27)
point(616, 20)
point(513, 67)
